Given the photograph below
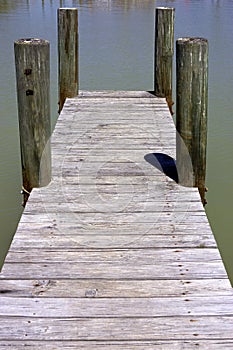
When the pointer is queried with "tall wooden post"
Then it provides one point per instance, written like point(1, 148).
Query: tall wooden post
point(67, 53)
point(32, 75)
point(164, 50)
point(191, 107)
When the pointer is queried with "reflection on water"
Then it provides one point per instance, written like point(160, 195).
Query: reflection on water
point(6, 6)
point(116, 52)
point(109, 4)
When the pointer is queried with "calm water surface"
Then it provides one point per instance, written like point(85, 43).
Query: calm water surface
point(116, 52)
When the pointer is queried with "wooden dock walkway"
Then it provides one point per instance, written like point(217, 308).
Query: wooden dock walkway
point(114, 254)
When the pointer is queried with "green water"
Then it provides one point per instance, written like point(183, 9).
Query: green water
point(116, 52)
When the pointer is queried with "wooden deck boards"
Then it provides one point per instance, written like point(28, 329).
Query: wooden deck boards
point(114, 254)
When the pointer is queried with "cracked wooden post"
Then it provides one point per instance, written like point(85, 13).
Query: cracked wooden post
point(32, 61)
point(164, 50)
point(191, 107)
point(67, 54)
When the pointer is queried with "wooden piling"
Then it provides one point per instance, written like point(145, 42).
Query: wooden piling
point(164, 50)
point(67, 53)
point(191, 107)
point(32, 61)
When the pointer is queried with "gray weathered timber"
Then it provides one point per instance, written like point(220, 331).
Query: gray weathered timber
point(62, 288)
point(114, 253)
point(121, 345)
point(32, 76)
point(191, 109)
point(164, 49)
point(108, 329)
point(67, 53)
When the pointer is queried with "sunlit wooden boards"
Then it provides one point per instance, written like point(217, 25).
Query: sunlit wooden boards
point(114, 254)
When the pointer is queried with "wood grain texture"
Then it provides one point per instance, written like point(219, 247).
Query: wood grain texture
point(191, 107)
point(99, 288)
point(67, 19)
point(164, 49)
point(32, 61)
point(114, 253)
point(120, 345)
point(187, 328)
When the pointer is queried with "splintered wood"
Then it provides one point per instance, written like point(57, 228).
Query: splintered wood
point(114, 253)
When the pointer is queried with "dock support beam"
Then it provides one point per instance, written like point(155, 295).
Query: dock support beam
point(164, 50)
point(32, 61)
point(67, 54)
point(191, 107)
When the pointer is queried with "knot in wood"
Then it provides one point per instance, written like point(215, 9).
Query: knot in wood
point(91, 293)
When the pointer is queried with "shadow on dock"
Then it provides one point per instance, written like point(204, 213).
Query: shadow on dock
point(164, 163)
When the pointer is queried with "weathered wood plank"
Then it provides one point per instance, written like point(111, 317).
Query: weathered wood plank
point(120, 345)
point(177, 229)
point(116, 187)
point(150, 256)
point(154, 181)
point(113, 202)
point(74, 235)
point(99, 288)
point(102, 218)
point(110, 329)
point(91, 307)
point(119, 93)
point(133, 145)
point(75, 240)
point(103, 116)
point(104, 270)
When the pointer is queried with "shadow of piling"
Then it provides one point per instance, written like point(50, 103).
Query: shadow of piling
point(164, 163)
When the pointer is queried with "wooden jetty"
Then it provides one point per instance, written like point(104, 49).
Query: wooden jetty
point(114, 253)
